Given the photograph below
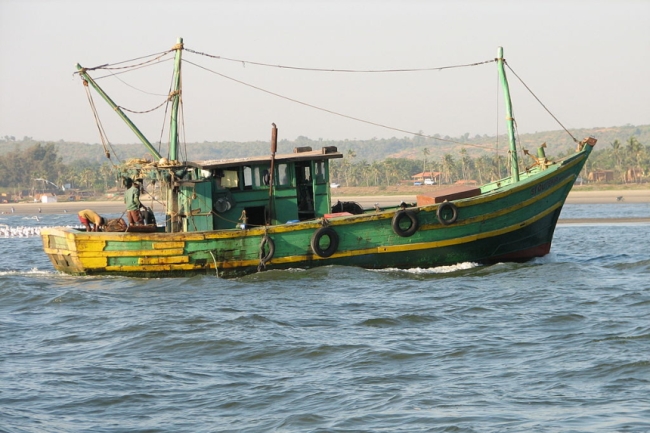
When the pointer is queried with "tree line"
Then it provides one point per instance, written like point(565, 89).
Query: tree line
point(371, 150)
point(629, 161)
point(40, 166)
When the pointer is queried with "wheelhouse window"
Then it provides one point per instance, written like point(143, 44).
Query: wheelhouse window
point(248, 177)
point(230, 179)
point(304, 174)
point(319, 172)
point(257, 176)
point(262, 176)
point(284, 179)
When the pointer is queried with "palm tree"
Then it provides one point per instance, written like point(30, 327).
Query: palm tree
point(465, 164)
point(616, 148)
point(391, 171)
point(635, 150)
point(87, 177)
point(349, 166)
point(483, 168)
point(105, 171)
point(425, 151)
point(448, 166)
point(360, 173)
point(375, 171)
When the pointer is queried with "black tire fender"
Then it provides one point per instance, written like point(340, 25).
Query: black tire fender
point(397, 219)
point(318, 235)
point(442, 212)
point(267, 242)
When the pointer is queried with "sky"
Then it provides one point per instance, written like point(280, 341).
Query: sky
point(587, 61)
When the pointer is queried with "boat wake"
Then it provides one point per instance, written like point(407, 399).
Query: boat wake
point(32, 272)
point(436, 270)
point(549, 258)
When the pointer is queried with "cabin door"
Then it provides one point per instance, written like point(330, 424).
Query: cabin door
point(304, 190)
point(312, 189)
point(322, 199)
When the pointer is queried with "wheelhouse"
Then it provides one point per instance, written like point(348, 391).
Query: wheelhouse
point(254, 191)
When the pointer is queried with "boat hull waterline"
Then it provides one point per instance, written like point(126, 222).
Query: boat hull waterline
point(514, 222)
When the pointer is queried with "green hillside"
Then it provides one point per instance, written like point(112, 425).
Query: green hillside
point(621, 156)
point(369, 150)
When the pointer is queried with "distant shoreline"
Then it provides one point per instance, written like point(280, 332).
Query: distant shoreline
point(117, 206)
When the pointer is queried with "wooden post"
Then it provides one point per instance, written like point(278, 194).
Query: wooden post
point(274, 149)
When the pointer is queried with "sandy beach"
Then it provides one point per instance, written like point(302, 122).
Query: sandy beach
point(116, 206)
point(613, 196)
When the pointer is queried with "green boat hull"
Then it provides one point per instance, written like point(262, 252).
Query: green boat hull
point(503, 222)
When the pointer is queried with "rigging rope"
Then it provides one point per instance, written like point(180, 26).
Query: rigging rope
point(162, 129)
point(145, 111)
point(540, 102)
point(115, 74)
point(244, 62)
point(108, 66)
point(160, 55)
point(100, 127)
point(133, 87)
point(330, 111)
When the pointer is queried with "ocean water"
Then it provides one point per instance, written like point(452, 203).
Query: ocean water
point(558, 344)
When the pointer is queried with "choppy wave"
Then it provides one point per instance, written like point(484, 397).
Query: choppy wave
point(556, 344)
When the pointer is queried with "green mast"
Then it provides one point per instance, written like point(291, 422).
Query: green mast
point(118, 110)
point(514, 164)
point(175, 97)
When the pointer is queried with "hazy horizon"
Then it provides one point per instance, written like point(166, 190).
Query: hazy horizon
point(472, 138)
point(587, 61)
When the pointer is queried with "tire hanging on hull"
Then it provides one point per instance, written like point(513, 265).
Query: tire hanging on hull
point(411, 229)
point(443, 213)
point(333, 237)
point(266, 256)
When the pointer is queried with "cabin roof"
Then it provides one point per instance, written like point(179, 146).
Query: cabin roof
point(299, 154)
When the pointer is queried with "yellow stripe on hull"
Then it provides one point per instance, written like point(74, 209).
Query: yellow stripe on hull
point(163, 260)
point(132, 253)
point(168, 252)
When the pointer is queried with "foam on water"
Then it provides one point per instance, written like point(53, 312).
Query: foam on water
point(434, 270)
point(31, 272)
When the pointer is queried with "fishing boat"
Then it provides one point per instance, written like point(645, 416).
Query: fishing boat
point(232, 217)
